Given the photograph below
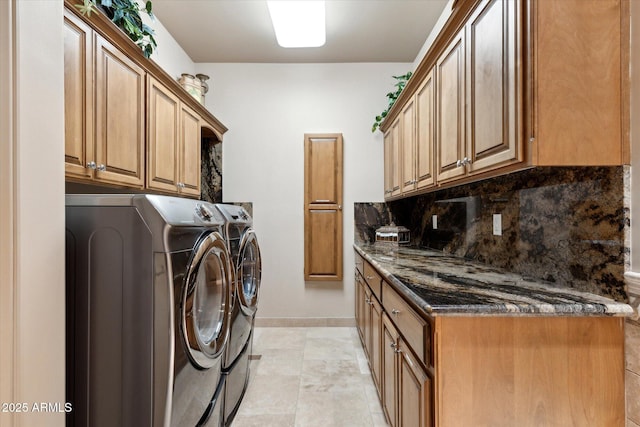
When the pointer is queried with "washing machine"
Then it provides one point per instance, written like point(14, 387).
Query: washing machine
point(149, 282)
point(245, 253)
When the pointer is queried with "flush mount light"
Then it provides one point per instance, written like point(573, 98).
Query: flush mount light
point(298, 23)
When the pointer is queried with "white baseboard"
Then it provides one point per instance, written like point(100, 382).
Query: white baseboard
point(305, 322)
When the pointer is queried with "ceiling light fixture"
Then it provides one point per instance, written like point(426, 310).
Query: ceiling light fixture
point(298, 23)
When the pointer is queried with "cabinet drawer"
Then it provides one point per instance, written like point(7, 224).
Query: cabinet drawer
point(415, 330)
point(373, 279)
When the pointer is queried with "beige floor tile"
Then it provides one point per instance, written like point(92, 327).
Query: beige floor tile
point(329, 349)
point(279, 339)
point(279, 366)
point(271, 395)
point(308, 377)
point(273, 353)
point(264, 420)
point(336, 409)
point(331, 376)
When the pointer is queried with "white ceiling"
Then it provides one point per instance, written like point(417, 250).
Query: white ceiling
point(357, 30)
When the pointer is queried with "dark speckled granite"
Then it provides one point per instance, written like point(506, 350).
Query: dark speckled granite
point(442, 284)
point(211, 166)
point(368, 218)
point(561, 225)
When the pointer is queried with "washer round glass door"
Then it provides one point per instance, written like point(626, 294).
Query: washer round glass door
point(206, 300)
point(249, 272)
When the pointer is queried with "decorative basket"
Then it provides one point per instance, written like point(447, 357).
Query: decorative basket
point(392, 235)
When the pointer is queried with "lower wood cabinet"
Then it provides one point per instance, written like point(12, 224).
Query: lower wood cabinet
point(468, 370)
point(369, 323)
point(407, 398)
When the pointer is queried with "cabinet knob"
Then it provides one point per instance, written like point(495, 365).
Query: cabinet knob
point(91, 165)
point(393, 345)
point(466, 161)
point(101, 168)
point(458, 163)
point(395, 312)
point(181, 185)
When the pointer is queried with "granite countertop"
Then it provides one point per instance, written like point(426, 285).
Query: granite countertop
point(442, 284)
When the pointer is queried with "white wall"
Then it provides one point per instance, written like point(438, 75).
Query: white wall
point(446, 13)
point(168, 54)
point(37, 297)
point(268, 108)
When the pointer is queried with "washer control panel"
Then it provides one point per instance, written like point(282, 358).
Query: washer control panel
point(203, 212)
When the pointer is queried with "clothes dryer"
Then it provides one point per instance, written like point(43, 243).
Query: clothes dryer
point(245, 253)
point(148, 308)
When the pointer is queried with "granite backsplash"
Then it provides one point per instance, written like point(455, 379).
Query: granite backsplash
point(562, 225)
point(211, 169)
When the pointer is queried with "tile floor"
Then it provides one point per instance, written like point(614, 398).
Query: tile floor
point(309, 377)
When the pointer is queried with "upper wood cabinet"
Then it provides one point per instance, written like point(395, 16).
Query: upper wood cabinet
point(425, 101)
point(493, 86)
point(127, 122)
point(518, 83)
point(478, 92)
point(580, 89)
point(163, 130)
point(104, 135)
point(173, 146)
point(408, 147)
point(189, 153)
point(120, 115)
point(451, 112)
point(78, 97)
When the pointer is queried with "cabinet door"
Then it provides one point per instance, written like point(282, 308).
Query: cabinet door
point(425, 132)
point(493, 86)
point(388, 163)
point(360, 306)
point(366, 321)
point(190, 152)
point(119, 117)
point(407, 147)
point(389, 371)
point(396, 169)
point(78, 96)
point(450, 115)
point(414, 388)
point(581, 86)
point(323, 207)
point(375, 356)
point(162, 141)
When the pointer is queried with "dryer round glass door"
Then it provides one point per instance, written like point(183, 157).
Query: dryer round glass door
point(249, 271)
point(206, 300)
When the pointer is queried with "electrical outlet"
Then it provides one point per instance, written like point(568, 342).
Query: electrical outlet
point(434, 221)
point(497, 224)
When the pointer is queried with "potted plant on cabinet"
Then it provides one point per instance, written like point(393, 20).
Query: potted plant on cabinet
point(401, 81)
point(126, 15)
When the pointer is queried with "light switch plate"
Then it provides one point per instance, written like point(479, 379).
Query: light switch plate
point(434, 221)
point(497, 224)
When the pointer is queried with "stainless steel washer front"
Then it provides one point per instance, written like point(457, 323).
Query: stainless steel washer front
point(206, 301)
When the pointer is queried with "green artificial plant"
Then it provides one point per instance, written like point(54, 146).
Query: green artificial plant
point(126, 15)
point(401, 81)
